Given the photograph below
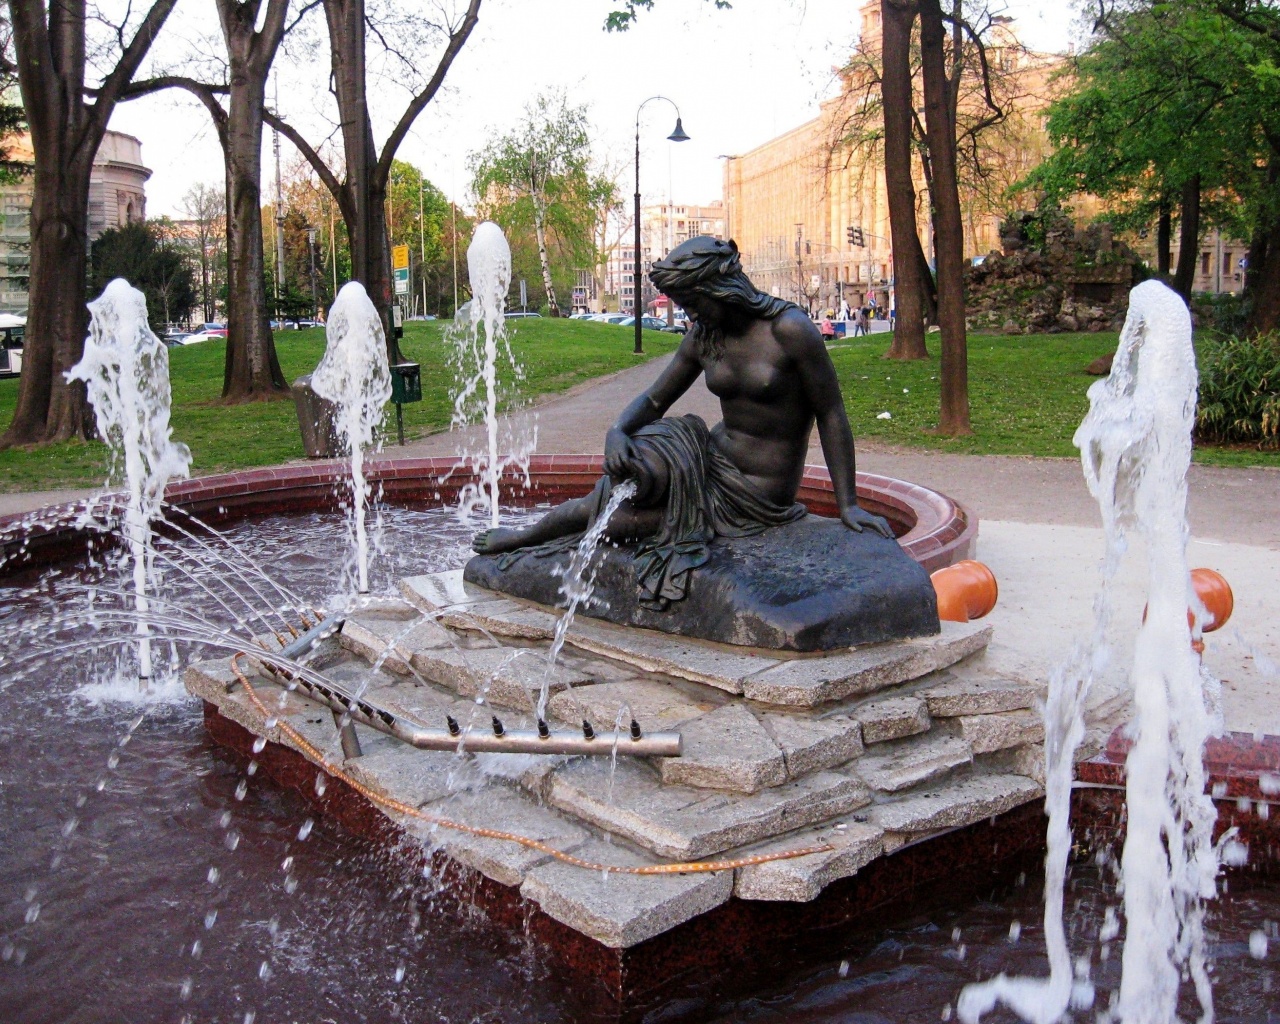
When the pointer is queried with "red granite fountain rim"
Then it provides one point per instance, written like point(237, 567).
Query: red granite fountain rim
point(941, 530)
point(1238, 764)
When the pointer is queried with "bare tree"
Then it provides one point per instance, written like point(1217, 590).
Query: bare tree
point(206, 207)
point(909, 269)
point(54, 52)
point(361, 192)
point(252, 369)
point(612, 220)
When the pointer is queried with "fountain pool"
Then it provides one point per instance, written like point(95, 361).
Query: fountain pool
point(120, 914)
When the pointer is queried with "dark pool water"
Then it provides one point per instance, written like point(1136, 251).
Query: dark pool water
point(155, 881)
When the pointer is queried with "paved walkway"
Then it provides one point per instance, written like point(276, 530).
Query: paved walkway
point(1236, 505)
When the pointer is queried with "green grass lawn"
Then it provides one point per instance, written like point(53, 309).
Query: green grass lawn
point(556, 354)
point(1027, 395)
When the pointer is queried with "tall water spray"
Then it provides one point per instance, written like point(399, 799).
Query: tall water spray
point(480, 338)
point(354, 376)
point(1135, 447)
point(125, 369)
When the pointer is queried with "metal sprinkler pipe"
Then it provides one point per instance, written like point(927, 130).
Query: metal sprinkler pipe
point(500, 740)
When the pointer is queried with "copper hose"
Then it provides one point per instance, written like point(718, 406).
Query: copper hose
point(488, 833)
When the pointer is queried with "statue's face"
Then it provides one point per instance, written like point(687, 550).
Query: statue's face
point(704, 310)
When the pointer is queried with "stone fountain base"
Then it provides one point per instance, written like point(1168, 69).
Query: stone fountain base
point(872, 751)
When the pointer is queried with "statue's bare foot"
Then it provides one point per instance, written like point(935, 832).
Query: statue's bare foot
point(497, 540)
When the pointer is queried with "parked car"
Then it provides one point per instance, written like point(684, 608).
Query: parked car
point(678, 326)
point(303, 325)
point(613, 318)
point(427, 316)
point(649, 323)
point(583, 316)
point(212, 327)
point(523, 316)
point(199, 336)
point(174, 338)
point(12, 329)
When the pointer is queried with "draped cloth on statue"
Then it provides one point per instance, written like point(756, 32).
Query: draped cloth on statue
point(707, 497)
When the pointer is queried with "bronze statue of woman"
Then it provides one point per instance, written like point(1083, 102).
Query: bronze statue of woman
point(766, 362)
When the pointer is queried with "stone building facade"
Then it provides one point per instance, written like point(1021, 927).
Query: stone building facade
point(663, 226)
point(117, 196)
point(790, 202)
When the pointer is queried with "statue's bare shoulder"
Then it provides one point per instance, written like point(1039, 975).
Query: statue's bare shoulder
point(798, 335)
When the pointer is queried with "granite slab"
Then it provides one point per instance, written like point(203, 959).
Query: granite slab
point(801, 879)
point(621, 910)
point(809, 682)
point(684, 823)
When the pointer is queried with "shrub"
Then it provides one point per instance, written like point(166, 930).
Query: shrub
point(1240, 390)
point(1221, 314)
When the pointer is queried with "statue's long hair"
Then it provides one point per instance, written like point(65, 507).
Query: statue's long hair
point(711, 268)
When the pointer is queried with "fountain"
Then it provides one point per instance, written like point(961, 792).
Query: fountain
point(760, 797)
point(353, 375)
point(479, 339)
point(1135, 447)
point(125, 369)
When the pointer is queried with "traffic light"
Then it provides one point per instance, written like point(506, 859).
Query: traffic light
point(857, 239)
point(848, 233)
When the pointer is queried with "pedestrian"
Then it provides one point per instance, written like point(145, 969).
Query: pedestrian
point(859, 322)
point(827, 328)
point(844, 309)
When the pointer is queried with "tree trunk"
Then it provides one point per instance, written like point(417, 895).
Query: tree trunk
point(928, 287)
point(252, 369)
point(364, 211)
point(539, 227)
point(909, 301)
point(49, 408)
point(1188, 239)
point(1264, 281)
point(1164, 235)
point(948, 225)
point(50, 57)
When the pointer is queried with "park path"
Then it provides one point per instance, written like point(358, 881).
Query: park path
point(1226, 504)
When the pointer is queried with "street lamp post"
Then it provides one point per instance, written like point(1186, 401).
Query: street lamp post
point(637, 272)
point(311, 248)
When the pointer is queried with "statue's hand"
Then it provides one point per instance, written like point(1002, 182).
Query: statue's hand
point(618, 454)
point(856, 518)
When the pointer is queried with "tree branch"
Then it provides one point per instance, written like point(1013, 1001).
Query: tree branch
point(206, 92)
point(418, 104)
point(317, 162)
point(127, 66)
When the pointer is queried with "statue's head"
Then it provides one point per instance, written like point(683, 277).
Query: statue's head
point(705, 276)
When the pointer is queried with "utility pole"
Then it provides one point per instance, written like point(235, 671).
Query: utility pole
point(279, 207)
point(422, 242)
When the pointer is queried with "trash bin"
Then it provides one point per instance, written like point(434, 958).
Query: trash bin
point(406, 383)
point(317, 421)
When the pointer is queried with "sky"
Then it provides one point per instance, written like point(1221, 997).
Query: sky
point(739, 77)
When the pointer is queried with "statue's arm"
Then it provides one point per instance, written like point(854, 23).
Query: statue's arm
point(803, 343)
point(651, 405)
